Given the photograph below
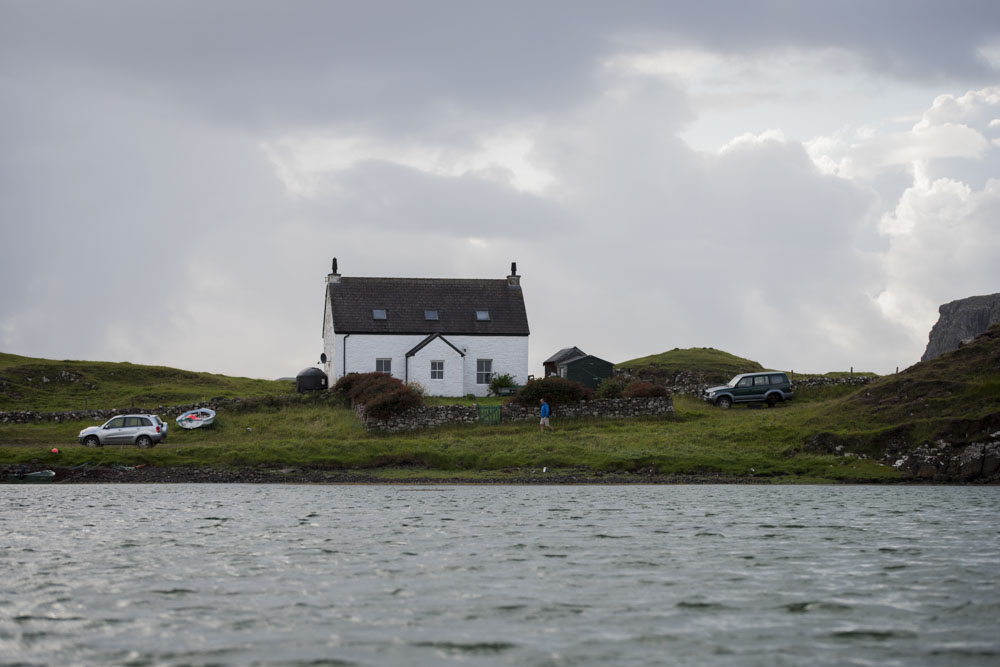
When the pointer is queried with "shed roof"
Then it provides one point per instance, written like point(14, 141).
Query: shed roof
point(456, 301)
point(565, 355)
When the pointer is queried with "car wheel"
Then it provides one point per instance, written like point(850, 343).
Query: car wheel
point(91, 441)
point(725, 402)
point(773, 400)
point(144, 441)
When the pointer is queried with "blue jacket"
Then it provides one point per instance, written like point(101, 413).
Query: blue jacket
point(545, 409)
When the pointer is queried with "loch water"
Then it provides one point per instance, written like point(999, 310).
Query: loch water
point(198, 574)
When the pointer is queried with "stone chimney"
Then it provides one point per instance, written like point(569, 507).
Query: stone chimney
point(334, 277)
point(513, 280)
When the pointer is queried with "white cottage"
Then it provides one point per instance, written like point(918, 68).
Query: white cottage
point(450, 335)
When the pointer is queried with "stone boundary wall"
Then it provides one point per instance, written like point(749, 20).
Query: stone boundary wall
point(694, 385)
point(164, 411)
point(441, 415)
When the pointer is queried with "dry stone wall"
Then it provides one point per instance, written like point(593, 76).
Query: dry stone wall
point(164, 411)
point(442, 415)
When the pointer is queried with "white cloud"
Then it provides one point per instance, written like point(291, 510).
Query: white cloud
point(944, 239)
point(749, 139)
point(505, 156)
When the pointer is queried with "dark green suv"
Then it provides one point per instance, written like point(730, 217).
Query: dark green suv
point(770, 387)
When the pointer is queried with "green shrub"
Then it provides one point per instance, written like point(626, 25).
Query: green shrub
point(554, 390)
point(643, 389)
point(501, 381)
point(610, 388)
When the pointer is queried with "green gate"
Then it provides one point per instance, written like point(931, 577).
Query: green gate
point(489, 414)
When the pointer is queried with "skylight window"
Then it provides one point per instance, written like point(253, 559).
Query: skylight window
point(483, 315)
point(379, 314)
point(431, 315)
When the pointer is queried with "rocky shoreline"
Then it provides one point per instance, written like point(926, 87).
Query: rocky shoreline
point(122, 474)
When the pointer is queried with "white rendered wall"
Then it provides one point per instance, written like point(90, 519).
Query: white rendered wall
point(330, 344)
point(509, 355)
point(454, 374)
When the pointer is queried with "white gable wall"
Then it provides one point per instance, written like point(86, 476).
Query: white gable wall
point(330, 344)
point(509, 355)
point(419, 369)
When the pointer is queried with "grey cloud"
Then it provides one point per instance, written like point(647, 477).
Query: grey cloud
point(402, 64)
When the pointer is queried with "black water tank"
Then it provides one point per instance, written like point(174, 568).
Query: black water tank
point(310, 379)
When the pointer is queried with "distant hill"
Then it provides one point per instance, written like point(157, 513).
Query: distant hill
point(28, 383)
point(706, 363)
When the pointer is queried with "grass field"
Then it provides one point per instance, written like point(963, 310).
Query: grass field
point(701, 439)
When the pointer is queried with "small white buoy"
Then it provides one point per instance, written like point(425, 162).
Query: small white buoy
point(545, 469)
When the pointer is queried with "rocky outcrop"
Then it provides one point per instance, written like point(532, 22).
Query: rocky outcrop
point(961, 321)
point(942, 461)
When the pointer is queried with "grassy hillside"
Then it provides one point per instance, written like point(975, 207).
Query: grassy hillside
point(955, 397)
point(700, 361)
point(46, 385)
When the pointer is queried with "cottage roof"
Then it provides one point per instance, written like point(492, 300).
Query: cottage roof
point(564, 355)
point(404, 301)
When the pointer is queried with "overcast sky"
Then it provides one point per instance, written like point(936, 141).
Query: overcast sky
point(800, 183)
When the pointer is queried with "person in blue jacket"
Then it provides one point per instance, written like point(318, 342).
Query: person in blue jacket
point(544, 423)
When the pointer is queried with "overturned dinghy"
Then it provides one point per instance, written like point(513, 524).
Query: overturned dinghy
point(197, 418)
point(39, 477)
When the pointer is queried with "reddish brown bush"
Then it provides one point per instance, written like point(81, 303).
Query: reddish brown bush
point(382, 395)
point(554, 390)
point(388, 404)
point(644, 389)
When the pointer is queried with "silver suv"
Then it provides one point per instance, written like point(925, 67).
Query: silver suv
point(142, 430)
point(771, 387)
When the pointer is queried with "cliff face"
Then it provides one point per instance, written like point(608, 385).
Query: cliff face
point(961, 321)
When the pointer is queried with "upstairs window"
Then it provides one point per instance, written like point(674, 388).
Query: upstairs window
point(431, 315)
point(482, 315)
point(379, 314)
point(383, 366)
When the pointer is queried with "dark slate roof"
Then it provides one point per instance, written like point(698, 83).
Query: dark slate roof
point(564, 355)
point(405, 300)
point(573, 360)
point(425, 342)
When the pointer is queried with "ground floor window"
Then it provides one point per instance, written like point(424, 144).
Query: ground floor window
point(484, 371)
point(383, 366)
point(437, 370)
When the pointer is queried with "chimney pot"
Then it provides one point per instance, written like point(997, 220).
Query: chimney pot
point(513, 280)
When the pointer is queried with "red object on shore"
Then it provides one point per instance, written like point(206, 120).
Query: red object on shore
point(55, 450)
